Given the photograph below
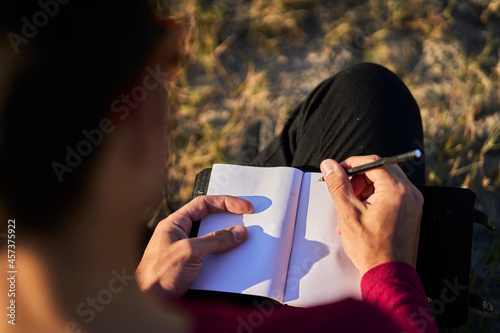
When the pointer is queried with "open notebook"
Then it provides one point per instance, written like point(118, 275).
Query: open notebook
point(293, 253)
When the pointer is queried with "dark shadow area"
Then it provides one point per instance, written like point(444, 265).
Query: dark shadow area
point(260, 203)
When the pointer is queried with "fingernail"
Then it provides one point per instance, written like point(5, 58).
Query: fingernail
point(327, 167)
point(239, 232)
point(251, 208)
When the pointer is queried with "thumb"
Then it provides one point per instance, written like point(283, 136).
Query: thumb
point(220, 240)
point(338, 184)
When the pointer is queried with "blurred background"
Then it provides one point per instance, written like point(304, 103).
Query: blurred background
point(251, 62)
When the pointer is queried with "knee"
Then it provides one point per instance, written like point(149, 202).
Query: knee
point(368, 67)
point(369, 73)
point(372, 82)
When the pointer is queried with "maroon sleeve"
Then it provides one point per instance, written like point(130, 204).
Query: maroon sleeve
point(396, 289)
point(265, 316)
point(393, 296)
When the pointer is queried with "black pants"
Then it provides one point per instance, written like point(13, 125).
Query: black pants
point(365, 109)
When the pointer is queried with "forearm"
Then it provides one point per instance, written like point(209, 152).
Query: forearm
point(396, 289)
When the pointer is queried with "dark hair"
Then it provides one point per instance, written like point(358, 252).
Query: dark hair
point(62, 63)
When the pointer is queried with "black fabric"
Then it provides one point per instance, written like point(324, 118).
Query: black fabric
point(444, 251)
point(365, 109)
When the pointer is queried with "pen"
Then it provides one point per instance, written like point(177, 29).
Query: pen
point(382, 162)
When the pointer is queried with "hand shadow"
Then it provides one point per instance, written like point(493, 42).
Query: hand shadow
point(310, 253)
point(305, 253)
point(260, 258)
point(260, 203)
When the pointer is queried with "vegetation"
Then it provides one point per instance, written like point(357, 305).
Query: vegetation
point(251, 62)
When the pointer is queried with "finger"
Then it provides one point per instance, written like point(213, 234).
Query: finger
point(203, 205)
point(219, 241)
point(359, 184)
point(224, 203)
point(367, 192)
point(355, 161)
point(381, 174)
point(397, 172)
point(339, 187)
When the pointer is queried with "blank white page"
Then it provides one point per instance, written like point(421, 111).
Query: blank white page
point(319, 272)
point(259, 265)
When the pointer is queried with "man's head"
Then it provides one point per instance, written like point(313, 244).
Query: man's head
point(74, 75)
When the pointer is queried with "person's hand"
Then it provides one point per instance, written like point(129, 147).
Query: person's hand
point(379, 212)
point(172, 260)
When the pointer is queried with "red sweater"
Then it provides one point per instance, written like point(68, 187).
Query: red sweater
point(393, 301)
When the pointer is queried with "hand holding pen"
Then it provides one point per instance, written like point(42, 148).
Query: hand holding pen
point(378, 212)
point(382, 162)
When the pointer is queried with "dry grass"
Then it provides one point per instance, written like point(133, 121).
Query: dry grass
point(251, 62)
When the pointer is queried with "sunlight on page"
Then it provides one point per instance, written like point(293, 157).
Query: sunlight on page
point(319, 271)
point(256, 267)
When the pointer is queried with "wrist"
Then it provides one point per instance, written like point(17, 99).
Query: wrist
point(386, 258)
point(387, 265)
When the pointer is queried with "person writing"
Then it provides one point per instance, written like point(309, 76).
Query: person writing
point(82, 158)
